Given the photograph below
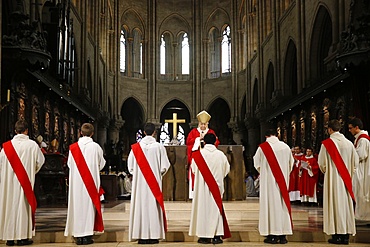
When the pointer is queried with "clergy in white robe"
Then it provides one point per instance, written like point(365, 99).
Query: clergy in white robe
point(81, 210)
point(194, 142)
point(338, 211)
point(206, 222)
point(146, 216)
point(274, 218)
point(15, 210)
point(361, 178)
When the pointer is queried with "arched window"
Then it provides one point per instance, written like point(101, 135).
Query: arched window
point(137, 53)
point(139, 135)
point(185, 55)
point(166, 56)
point(123, 48)
point(165, 135)
point(131, 52)
point(214, 53)
point(226, 50)
point(163, 55)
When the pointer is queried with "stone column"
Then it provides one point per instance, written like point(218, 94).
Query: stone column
point(252, 125)
point(103, 124)
point(114, 129)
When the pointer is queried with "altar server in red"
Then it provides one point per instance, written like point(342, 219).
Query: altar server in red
point(20, 160)
point(147, 162)
point(337, 160)
point(274, 161)
point(85, 160)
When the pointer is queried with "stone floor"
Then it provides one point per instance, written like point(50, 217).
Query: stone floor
point(242, 217)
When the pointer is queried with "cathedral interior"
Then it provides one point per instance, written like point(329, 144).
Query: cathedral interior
point(292, 65)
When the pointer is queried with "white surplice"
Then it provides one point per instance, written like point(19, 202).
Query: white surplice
point(338, 212)
point(206, 220)
point(15, 211)
point(81, 210)
point(274, 216)
point(146, 216)
point(361, 178)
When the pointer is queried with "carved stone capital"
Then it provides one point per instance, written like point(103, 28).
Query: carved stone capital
point(103, 120)
point(116, 124)
point(234, 126)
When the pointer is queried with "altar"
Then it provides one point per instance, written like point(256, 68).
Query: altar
point(175, 182)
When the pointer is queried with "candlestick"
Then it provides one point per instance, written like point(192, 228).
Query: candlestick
point(8, 97)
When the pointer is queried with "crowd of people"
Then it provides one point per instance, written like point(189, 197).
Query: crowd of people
point(285, 176)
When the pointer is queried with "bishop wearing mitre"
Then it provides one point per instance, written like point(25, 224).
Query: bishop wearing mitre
point(194, 141)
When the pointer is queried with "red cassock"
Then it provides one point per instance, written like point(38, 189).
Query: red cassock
point(294, 174)
point(194, 133)
point(307, 183)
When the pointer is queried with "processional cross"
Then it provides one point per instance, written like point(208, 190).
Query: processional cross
point(174, 121)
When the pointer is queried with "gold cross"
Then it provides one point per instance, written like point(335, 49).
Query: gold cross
point(174, 121)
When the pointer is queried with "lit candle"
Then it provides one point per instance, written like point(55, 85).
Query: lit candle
point(8, 98)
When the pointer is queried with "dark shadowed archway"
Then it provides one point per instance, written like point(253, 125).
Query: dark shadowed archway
point(132, 114)
point(220, 113)
point(176, 106)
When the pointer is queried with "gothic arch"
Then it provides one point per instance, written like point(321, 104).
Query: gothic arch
point(290, 70)
point(131, 18)
point(220, 112)
point(217, 18)
point(182, 110)
point(321, 40)
point(176, 23)
point(133, 114)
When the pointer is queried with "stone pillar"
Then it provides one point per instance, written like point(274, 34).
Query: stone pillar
point(103, 124)
point(158, 126)
point(114, 129)
point(252, 125)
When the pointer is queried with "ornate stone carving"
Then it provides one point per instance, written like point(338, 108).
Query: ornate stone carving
point(355, 41)
point(35, 116)
point(25, 40)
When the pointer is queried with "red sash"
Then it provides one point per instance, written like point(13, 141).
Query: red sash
point(89, 184)
point(22, 176)
point(278, 175)
point(339, 163)
point(150, 178)
point(213, 188)
point(362, 136)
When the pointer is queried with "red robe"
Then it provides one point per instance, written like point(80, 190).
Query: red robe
point(190, 140)
point(194, 133)
point(294, 174)
point(307, 183)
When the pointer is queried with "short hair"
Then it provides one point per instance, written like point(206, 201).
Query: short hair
point(334, 124)
point(310, 148)
point(149, 128)
point(271, 132)
point(210, 138)
point(356, 122)
point(87, 129)
point(21, 126)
